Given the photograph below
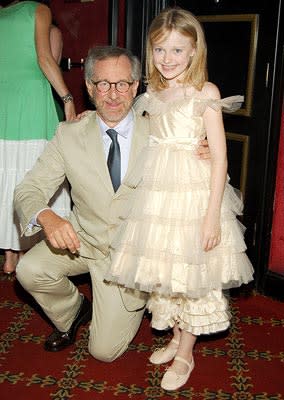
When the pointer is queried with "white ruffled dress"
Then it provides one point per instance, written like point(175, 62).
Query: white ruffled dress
point(158, 248)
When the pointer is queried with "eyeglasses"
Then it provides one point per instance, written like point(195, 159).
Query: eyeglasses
point(105, 86)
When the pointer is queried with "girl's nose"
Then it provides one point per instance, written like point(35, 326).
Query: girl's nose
point(167, 57)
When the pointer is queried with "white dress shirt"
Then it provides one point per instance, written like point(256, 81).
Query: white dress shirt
point(124, 129)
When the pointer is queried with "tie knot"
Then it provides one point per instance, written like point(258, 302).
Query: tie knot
point(112, 134)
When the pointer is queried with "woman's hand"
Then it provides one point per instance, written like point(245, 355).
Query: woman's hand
point(82, 114)
point(70, 112)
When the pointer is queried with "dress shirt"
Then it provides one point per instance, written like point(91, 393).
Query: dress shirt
point(124, 130)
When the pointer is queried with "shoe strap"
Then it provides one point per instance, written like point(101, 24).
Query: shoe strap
point(181, 359)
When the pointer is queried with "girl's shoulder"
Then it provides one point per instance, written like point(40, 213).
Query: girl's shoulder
point(209, 96)
point(210, 91)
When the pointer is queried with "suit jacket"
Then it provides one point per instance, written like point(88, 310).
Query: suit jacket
point(76, 152)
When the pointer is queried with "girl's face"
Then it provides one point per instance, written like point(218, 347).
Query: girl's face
point(172, 56)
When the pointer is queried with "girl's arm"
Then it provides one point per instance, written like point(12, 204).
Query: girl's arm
point(46, 61)
point(213, 120)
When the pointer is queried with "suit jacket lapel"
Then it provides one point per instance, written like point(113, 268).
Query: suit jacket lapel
point(139, 138)
point(138, 142)
point(95, 150)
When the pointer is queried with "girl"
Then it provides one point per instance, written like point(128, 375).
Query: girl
point(182, 241)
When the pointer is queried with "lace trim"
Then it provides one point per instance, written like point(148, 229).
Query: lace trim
point(149, 103)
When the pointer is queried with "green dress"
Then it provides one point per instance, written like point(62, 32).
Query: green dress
point(28, 117)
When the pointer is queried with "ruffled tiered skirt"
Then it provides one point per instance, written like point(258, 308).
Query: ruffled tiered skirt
point(158, 248)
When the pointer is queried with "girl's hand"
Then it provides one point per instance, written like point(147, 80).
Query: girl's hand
point(210, 233)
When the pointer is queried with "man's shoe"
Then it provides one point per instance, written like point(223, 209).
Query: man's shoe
point(57, 340)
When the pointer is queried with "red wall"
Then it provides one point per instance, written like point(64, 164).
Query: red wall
point(83, 25)
point(121, 34)
point(276, 261)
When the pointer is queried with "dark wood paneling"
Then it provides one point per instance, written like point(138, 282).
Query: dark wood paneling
point(139, 14)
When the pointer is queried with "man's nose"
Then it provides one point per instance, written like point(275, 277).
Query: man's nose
point(112, 91)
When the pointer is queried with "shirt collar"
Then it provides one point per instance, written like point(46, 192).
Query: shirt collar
point(122, 128)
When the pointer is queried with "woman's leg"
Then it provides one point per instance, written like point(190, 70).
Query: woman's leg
point(11, 261)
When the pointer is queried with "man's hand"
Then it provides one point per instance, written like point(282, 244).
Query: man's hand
point(203, 152)
point(59, 232)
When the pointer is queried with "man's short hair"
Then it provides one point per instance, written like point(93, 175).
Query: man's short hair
point(99, 53)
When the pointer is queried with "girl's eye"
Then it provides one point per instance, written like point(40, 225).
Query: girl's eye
point(178, 50)
point(157, 49)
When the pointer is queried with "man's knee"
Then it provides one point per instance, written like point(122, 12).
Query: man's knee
point(106, 351)
point(26, 271)
point(107, 344)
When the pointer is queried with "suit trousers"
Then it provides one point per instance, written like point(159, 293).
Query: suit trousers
point(45, 272)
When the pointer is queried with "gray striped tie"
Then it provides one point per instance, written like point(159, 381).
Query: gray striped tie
point(113, 161)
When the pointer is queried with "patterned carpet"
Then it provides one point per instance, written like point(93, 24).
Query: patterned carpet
point(246, 363)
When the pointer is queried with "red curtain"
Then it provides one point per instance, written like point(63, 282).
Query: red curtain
point(276, 259)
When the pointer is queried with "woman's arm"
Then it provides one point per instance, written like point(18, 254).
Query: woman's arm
point(213, 121)
point(56, 43)
point(46, 61)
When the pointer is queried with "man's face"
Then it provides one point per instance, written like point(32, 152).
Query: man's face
point(112, 106)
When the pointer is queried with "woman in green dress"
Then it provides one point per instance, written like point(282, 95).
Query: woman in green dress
point(28, 116)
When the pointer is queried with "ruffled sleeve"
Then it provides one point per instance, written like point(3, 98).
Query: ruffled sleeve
point(141, 103)
point(227, 104)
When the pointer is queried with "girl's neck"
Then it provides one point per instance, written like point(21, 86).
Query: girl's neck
point(175, 92)
point(174, 84)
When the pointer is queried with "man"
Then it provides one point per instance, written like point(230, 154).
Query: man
point(79, 151)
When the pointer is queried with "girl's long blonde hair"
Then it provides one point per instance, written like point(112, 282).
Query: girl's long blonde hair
point(186, 24)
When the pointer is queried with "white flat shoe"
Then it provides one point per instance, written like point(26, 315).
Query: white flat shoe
point(172, 380)
point(165, 354)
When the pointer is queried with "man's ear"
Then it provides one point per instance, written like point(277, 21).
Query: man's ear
point(90, 88)
point(135, 88)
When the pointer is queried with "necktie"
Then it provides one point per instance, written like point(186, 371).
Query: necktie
point(113, 161)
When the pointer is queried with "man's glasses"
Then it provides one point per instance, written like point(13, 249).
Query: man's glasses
point(105, 86)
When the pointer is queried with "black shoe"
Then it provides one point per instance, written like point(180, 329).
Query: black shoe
point(57, 340)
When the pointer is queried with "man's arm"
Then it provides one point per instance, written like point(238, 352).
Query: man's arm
point(58, 231)
point(203, 151)
point(39, 184)
point(32, 195)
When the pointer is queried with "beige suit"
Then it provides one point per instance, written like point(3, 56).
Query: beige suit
point(77, 152)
